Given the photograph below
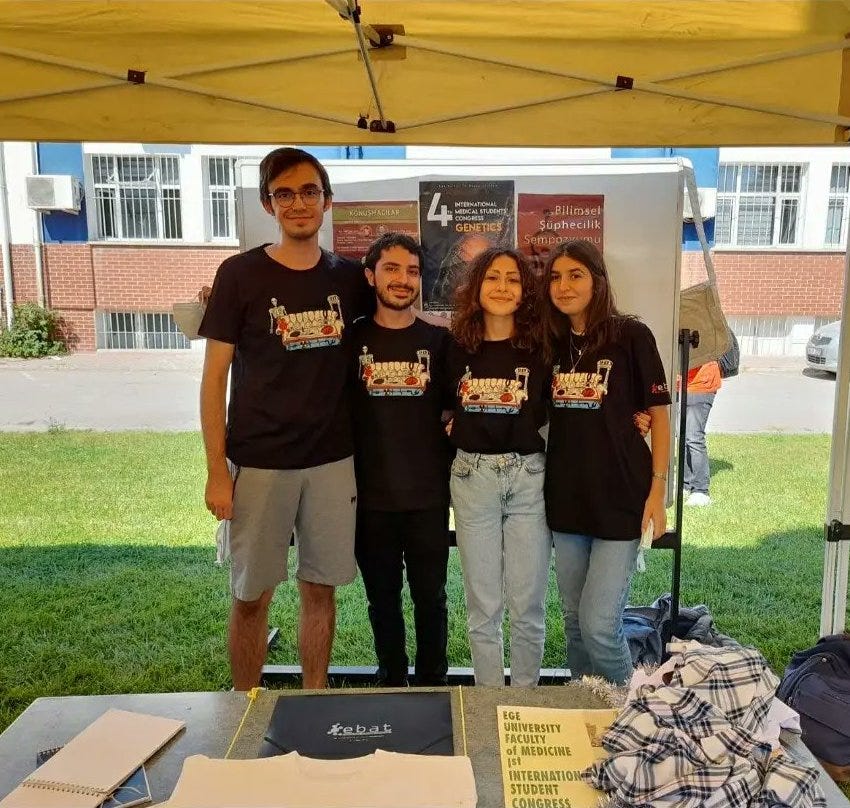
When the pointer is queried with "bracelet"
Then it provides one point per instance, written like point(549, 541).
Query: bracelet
point(660, 475)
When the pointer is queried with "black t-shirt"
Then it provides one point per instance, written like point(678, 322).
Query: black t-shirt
point(401, 451)
point(288, 395)
point(498, 397)
point(598, 467)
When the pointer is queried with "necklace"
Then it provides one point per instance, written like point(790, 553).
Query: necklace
point(575, 354)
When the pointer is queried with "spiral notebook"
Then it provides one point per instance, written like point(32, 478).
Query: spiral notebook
point(135, 790)
point(91, 766)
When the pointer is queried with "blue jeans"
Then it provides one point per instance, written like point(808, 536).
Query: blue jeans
point(594, 576)
point(697, 472)
point(505, 547)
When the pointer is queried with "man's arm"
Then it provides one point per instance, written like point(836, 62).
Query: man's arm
point(219, 490)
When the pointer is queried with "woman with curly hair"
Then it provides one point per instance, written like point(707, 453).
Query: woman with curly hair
point(498, 378)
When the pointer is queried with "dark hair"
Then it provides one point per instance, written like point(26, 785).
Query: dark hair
point(603, 318)
point(280, 160)
point(387, 242)
point(468, 317)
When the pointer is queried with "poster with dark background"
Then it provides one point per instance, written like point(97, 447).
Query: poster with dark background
point(459, 219)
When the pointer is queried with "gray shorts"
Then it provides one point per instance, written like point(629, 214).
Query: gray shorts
point(319, 503)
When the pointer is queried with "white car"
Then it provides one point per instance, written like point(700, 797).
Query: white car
point(822, 348)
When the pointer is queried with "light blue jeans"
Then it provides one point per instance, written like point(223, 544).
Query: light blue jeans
point(594, 576)
point(505, 548)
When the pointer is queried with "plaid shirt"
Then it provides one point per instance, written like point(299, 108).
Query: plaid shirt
point(696, 741)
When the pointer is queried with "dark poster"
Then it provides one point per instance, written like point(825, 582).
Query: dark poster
point(459, 219)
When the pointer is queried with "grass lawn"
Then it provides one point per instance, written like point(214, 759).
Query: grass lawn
point(107, 580)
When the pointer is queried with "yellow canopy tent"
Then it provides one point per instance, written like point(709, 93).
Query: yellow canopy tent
point(461, 72)
point(495, 72)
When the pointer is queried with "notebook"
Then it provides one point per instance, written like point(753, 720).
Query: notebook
point(135, 790)
point(89, 768)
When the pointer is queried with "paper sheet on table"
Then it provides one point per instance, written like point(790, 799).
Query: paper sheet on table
point(544, 751)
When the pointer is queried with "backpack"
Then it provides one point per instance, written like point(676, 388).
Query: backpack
point(816, 684)
point(731, 360)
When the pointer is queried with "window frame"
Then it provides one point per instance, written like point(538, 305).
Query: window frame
point(114, 201)
point(779, 198)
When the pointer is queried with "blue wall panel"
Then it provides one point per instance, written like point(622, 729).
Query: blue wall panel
point(63, 158)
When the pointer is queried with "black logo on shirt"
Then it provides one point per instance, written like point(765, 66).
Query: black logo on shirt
point(495, 396)
point(307, 329)
point(396, 378)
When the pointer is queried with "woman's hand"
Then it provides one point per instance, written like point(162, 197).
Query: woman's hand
point(204, 295)
point(642, 422)
point(654, 509)
point(448, 426)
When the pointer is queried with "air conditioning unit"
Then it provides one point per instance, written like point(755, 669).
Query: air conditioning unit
point(707, 204)
point(54, 192)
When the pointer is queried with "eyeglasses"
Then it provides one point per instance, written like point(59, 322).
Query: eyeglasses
point(285, 197)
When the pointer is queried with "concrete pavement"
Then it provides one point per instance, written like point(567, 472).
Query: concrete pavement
point(156, 390)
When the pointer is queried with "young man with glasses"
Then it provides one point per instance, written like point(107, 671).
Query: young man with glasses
point(281, 457)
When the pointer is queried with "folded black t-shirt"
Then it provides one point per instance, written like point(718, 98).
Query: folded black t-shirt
point(598, 467)
point(401, 450)
point(498, 398)
point(288, 395)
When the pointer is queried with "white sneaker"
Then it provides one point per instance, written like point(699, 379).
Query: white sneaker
point(698, 500)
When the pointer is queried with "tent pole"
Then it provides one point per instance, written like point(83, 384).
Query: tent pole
point(837, 546)
point(5, 240)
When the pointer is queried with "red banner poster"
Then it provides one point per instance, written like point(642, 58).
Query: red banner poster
point(546, 220)
point(357, 224)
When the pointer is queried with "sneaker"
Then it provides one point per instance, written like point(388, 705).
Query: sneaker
point(698, 499)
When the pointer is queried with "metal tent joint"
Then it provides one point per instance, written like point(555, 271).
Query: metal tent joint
point(625, 82)
point(836, 531)
point(136, 76)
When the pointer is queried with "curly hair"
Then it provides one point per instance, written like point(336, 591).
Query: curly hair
point(603, 318)
point(468, 318)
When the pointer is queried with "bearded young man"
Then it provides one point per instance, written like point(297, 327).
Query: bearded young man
point(402, 460)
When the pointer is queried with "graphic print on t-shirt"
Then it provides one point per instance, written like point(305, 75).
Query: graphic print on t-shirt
point(495, 396)
point(581, 391)
point(307, 329)
point(396, 378)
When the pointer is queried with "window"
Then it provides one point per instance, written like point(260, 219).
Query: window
point(138, 330)
point(137, 196)
point(839, 202)
point(220, 177)
point(758, 204)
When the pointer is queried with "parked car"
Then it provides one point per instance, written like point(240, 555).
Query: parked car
point(822, 348)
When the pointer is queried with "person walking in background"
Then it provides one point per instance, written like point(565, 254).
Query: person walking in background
point(703, 383)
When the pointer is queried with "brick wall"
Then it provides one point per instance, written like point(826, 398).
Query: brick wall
point(82, 278)
point(23, 273)
point(773, 283)
point(152, 278)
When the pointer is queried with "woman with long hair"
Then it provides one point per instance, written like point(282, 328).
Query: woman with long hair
point(498, 380)
point(604, 486)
